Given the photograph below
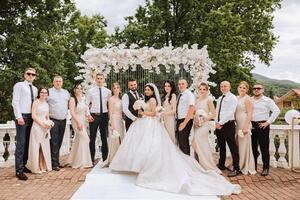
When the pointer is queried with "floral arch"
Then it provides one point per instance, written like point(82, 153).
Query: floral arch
point(193, 60)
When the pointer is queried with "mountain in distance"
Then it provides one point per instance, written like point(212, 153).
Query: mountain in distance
point(275, 87)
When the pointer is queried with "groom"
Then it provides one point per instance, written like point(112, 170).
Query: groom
point(128, 100)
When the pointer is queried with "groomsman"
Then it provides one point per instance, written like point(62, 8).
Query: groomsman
point(24, 94)
point(261, 120)
point(128, 100)
point(97, 97)
point(225, 127)
point(58, 100)
point(184, 114)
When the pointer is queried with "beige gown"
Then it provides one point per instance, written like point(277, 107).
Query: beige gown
point(169, 118)
point(38, 139)
point(114, 142)
point(200, 142)
point(247, 164)
point(80, 156)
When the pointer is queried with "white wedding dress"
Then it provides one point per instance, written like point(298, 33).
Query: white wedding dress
point(148, 150)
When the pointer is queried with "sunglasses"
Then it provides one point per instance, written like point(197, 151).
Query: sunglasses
point(30, 74)
point(257, 88)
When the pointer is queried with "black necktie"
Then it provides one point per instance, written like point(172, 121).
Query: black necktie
point(31, 93)
point(177, 105)
point(101, 107)
point(136, 96)
point(220, 107)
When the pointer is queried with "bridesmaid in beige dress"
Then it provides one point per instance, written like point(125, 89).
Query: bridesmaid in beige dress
point(80, 153)
point(200, 142)
point(116, 128)
point(39, 156)
point(169, 106)
point(243, 117)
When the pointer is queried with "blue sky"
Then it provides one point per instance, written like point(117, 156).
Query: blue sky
point(286, 54)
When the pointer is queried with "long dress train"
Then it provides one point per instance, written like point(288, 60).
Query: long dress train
point(148, 151)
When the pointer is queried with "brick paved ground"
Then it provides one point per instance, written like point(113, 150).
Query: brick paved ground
point(280, 184)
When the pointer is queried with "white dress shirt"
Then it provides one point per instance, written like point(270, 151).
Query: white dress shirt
point(262, 108)
point(58, 101)
point(93, 98)
point(21, 101)
point(125, 104)
point(228, 108)
point(186, 100)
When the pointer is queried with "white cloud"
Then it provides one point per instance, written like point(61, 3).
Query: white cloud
point(114, 11)
point(286, 54)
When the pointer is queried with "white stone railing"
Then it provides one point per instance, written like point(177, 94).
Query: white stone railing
point(282, 132)
point(8, 146)
point(277, 132)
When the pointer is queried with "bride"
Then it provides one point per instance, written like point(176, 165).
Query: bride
point(148, 151)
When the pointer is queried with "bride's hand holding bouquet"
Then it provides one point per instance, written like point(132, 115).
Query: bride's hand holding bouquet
point(138, 105)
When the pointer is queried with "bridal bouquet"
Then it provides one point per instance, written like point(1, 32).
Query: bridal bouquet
point(138, 105)
point(49, 123)
point(159, 109)
point(201, 115)
point(115, 134)
point(240, 133)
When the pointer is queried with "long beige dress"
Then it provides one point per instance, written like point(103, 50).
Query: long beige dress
point(169, 117)
point(114, 141)
point(39, 137)
point(200, 142)
point(80, 156)
point(247, 164)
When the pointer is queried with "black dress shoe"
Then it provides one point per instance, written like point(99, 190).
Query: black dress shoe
point(265, 172)
point(61, 166)
point(234, 172)
point(223, 168)
point(26, 170)
point(21, 176)
point(56, 168)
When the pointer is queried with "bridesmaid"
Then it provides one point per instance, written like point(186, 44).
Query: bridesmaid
point(39, 156)
point(80, 153)
point(169, 106)
point(116, 128)
point(200, 142)
point(243, 116)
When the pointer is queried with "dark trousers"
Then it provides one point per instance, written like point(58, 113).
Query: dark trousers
point(57, 135)
point(261, 136)
point(183, 136)
point(227, 134)
point(22, 143)
point(128, 122)
point(101, 122)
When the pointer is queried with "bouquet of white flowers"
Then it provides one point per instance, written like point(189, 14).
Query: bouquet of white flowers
point(115, 134)
point(49, 123)
point(240, 133)
point(201, 114)
point(159, 109)
point(138, 105)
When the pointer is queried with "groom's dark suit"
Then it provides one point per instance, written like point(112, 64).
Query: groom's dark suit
point(128, 106)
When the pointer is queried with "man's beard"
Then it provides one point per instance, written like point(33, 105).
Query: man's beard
point(257, 95)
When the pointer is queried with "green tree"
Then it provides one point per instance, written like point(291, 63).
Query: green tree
point(235, 31)
point(49, 35)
